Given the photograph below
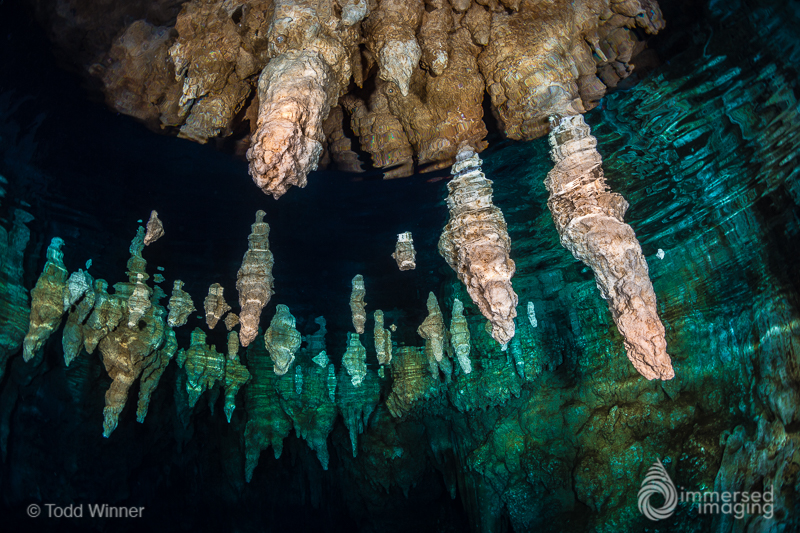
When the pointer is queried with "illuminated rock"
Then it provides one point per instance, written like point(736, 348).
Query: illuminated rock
point(339, 145)
point(390, 34)
point(254, 280)
point(180, 306)
point(282, 339)
point(72, 338)
point(233, 345)
point(459, 336)
point(231, 320)
point(47, 300)
point(215, 305)
point(357, 304)
point(432, 329)
point(404, 252)
point(155, 229)
point(204, 366)
point(139, 298)
point(383, 340)
point(589, 220)
point(476, 245)
point(105, 316)
point(355, 359)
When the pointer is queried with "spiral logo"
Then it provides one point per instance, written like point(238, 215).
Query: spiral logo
point(657, 481)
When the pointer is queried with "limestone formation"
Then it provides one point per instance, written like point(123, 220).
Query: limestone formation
point(231, 320)
point(391, 38)
point(383, 340)
point(404, 252)
point(105, 316)
point(476, 245)
point(47, 300)
point(215, 305)
point(589, 220)
point(310, 407)
point(139, 296)
point(459, 336)
point(309, 70)
point(204, 366)
point(180, 306)
point(339, 145)
point(355, 359)
point(432, 328)
point(532, 315)
point(282, 339)
point(412, 382)
point(236, 375)
point(233, 345)
point(78, 284)
point(152, 370)
point(357, 304)
point(357, 403)
point(155, 229)
point(254, 280)
point(267, 423)
point(73, 337)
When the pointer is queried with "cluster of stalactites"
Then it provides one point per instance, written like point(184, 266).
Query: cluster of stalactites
point(589, 220)
point(282, 339)
point(357, 303)
point(476, 245)
point(254, 280)
point(404, 252)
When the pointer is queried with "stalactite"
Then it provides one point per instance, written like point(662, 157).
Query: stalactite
point(432, 330)
point(80, 302)
point(180, 306)
point(236, 375)
point(204, 365)
point(254, 280)
point(357, 403)
point(152, 371)
point(404, 252)
point(14, 308)
point(383, 340)
point(476, 245)
point(357, 304)
point(355, 359)
point(459, 336)
point(231, 320)
point(411, 383)
point(155, 229)
point(282, 339)
point(589, 220)
point(215, 305)
point(47, 300)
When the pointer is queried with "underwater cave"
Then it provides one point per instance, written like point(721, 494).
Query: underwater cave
point(400, 265)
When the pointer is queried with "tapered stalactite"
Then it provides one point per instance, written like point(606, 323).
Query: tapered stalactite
point(139, 297)
point(355, 359)
point(411, 380)
point(236, 375)
point(155, 229)
point(383, 340)
point(47, 300)
point(357, 304)
point(391, 38)
point(476, 245)
point(215, 305)
point(254, 280)
point(357, 403)
point(79, 300)
point(432, 330)
point(589, 220)
point(204, 365)
point(180, 306)
point(404, 252)
point(282, 339)
point(105, 316)
point(231, 320)
point(152, 371)
point(459, 336)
